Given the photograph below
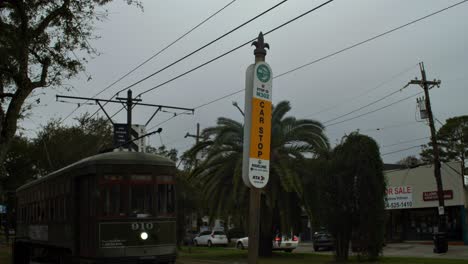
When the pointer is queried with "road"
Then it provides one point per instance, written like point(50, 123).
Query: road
point(405, 250)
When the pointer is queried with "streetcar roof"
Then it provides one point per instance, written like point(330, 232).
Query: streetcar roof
point(108, 158)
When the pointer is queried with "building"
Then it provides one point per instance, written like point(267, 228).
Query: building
point(412, 203)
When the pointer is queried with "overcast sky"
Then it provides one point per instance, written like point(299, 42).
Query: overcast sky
point(339, 84)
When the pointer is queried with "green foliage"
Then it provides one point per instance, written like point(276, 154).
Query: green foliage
point(188, 202)
point(410, 161)
point(19, 166)
point(220, 172)
point(452, 138)
point(57, 145)
point(38, 40)
point(163, 151)
point(353, 196)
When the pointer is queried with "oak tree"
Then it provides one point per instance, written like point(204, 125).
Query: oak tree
point(38, 40)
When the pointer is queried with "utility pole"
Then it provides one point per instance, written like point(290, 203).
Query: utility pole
point(197, 140)
point(426, 85)
point(128, 103)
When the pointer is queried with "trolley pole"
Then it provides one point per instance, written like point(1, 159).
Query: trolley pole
point(424, 83)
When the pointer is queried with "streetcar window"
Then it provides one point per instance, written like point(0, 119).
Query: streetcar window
point(112, 200)
point(166, 199)
point(141, 200)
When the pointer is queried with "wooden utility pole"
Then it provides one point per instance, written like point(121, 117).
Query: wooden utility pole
point(426, 85)
point(197, 139)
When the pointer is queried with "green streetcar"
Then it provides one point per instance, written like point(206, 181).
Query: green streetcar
point(116, 207)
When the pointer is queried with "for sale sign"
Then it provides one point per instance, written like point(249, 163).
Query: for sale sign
point(257, 128)
point(399, 197)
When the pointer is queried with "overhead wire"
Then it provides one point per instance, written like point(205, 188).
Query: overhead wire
point(364, 106)
point(230, 51)
point(157, 54)
point(401, 150)
point(375, 110)
point(363, 93)
point(372, 38)
point(202, 47)
point(236, 48)
point(390, 126)
point(404, 142)
point(339, 51)
point(328, 56)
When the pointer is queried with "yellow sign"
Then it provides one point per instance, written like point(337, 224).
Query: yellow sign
point(257, 129)
point(260, 132)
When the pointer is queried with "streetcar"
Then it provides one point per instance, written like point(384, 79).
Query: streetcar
point(115, 207)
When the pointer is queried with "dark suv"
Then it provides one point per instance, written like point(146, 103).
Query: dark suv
point(322, 239)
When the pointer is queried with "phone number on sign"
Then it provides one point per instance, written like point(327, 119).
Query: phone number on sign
point(394, 205)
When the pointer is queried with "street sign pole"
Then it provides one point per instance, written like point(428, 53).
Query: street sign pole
point(257, 138)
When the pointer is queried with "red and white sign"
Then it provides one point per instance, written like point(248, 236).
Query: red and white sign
point(432, 196)
point(399, 197)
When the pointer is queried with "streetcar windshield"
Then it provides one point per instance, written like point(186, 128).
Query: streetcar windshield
point(112, 199)
point(137, 196)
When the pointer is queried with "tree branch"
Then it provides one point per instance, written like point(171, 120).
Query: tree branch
point(62, 10)
point(4, 95)
point(43, 81)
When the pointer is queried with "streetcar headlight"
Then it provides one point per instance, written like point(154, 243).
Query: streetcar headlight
point(144, 235)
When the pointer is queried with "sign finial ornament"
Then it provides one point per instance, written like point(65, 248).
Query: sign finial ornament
point(260, 46)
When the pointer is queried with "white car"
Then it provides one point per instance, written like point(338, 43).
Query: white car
point(211, 238)
point(286, 243)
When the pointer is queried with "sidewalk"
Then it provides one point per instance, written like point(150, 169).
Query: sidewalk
point(417, 249)
point(407, 249)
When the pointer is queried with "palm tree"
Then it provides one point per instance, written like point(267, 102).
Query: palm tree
point(292, 142)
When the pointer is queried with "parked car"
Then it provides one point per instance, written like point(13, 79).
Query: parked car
point(211, 238)
point(189, 236)
point(280, 242)
point(234, 233)
point(322, 239)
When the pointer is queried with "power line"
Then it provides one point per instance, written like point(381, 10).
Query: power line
point(391, 126)
point(197, 50)
point(404, 142)
point(388, 153)
point(367, 105)
point(230, 51)
point(334, 53)
point(200, 106)
point(204, 46)
point(373, 111)
point(370, 39)
point(234, 49)
point(363, 93)
point(156, 54)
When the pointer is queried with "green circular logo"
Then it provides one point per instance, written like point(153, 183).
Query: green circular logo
point(263, 73)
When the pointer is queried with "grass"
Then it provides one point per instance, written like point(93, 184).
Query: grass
point(5, 254)
point(234, 256)
point(5, 250)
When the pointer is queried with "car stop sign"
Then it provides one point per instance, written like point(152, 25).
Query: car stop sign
point(257, 129)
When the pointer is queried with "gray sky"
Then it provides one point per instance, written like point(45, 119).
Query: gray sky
point(130, 36)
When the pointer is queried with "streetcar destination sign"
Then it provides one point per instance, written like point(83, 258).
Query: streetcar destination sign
point(257, 129)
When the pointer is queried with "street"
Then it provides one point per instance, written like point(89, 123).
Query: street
point(404, 250)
